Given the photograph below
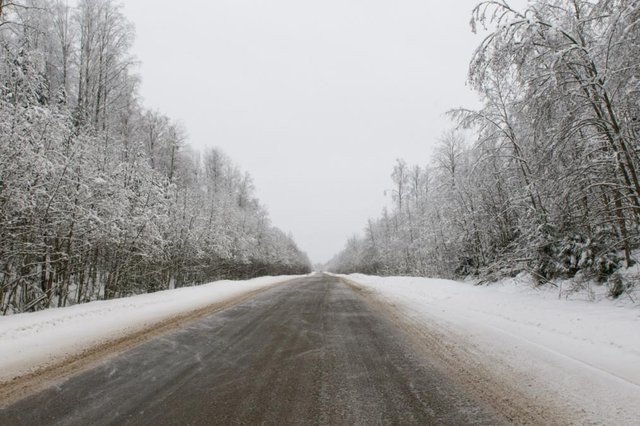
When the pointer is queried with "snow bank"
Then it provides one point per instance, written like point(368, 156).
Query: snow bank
point(587, 353)
point(31, 340)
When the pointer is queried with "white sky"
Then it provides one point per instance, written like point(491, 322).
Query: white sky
point(315, 99)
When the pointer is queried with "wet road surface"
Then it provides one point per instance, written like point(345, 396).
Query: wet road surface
point(312, 351)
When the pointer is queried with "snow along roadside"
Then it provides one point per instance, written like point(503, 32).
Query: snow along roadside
point(31, 342)
point(578, 358)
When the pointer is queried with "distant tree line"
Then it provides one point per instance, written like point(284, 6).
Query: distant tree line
point(544, 177)
point(100, 197)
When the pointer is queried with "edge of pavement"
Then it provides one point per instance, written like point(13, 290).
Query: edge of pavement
point(71, 364)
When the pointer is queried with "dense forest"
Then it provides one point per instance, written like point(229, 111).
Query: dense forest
point(544, 176)
point(99, 196)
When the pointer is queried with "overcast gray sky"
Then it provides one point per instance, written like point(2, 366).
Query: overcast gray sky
point(315, 99)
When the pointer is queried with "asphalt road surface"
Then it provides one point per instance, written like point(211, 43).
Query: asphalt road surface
point(312, 351)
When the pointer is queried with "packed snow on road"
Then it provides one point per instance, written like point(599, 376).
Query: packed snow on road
point(30, 341)
point(581, 351)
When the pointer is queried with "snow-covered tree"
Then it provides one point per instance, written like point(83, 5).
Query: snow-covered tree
point(99, 197)
point(547, 180)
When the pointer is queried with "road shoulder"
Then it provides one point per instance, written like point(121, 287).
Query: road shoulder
point(35, 377)
point(478, 370)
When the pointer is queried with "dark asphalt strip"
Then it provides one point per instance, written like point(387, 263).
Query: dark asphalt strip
point(310, 352)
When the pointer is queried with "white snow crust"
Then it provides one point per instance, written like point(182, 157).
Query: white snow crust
point(32, 340)
point(581, 353)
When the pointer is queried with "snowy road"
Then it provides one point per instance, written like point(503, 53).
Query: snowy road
point(314, 351)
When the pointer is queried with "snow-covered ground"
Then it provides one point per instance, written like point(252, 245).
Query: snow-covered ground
point(33, 340)
point(581, 355)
